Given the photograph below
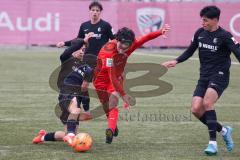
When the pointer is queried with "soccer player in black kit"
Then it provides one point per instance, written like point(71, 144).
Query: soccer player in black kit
point(102, 33)
point(74, 77)
point(215, 46)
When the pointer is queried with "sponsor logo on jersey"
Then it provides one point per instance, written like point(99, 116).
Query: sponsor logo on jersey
point(97, 36)
point(150, 19)
point(221, 73)
point(207, 46)
point(79, 71)
point(213, 84)
point(109, 62)
point(215, 40)
point(99, 29)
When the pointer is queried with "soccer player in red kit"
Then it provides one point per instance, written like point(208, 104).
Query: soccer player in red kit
point(108, 78)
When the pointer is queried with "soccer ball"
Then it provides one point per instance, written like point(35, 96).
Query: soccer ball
point(82, 142)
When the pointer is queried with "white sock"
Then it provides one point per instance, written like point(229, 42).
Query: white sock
point(71, 134)
point(42, 138)
point(223, 131)
point(213, 143)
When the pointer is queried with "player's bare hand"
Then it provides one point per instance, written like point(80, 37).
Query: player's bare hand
point(78, 54)
point(84, 86)
point(60, 44)
point(88, 36)
point(128, 101)
point(169, 64)
point(165, 29)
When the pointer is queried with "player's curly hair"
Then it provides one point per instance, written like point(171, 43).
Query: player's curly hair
point(125, 35)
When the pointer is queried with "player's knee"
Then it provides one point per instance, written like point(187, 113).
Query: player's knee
point(74, 111)
point(195, 110)
point(207, 104)
point(113, 101)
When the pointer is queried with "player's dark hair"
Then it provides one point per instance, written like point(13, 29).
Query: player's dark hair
point(210, 12)
point(125, 35)
point(96, 4)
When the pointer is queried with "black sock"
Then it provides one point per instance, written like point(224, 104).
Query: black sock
point(204, 121)
point(85, 101)
point(49, 137)
point(211, 120)
point(71, 126)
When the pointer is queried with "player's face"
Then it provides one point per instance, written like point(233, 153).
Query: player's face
point(79, 54)
point(95, 13)
point(209, 24)
point(122, 47)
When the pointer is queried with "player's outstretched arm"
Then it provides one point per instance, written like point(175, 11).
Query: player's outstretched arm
point(184, 56)
point(152, 35)
point(60, 44)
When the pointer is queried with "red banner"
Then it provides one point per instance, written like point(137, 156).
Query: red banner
point(47, 22)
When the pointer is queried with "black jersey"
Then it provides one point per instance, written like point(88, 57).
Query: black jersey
point(73, 72)
point(214, 51)
point(102, 33)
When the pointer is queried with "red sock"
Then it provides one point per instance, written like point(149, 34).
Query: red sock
point(113, 118)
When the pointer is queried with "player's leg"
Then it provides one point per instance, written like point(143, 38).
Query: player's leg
point(209, 100)
point(198, 109)
point(113, 112)
point(85, 101)
point(48, 136)
point(104, 97)
point(216, 87)
point(199, 112)
point(112, 129)
point(57, 135)
point(72, 121)
point(103, 90)
point(84, 115)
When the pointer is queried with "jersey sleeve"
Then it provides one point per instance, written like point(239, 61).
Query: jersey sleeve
point(109, 31)
point(68, 43)
point(191, 48)
point(233, 45)
point(141, 40)
point(68, 52)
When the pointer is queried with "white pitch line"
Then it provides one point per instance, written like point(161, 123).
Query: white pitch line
point(170, 56)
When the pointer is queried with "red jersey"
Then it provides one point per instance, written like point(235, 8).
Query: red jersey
point(111, 64)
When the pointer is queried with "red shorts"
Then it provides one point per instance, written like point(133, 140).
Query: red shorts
point(104, 87)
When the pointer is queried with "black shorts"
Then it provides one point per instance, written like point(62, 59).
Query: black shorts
point(218, 82)
point(64, 101)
